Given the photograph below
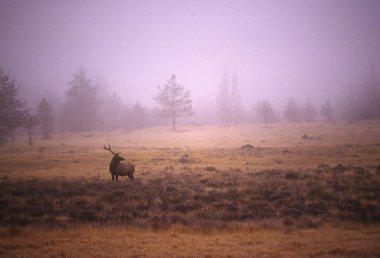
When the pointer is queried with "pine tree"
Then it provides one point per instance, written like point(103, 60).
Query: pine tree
point(81, 105)
point(114, 115)
point(265, 112)
point(292, 111)
point(369, 107)
point(236, 106)
point(308, 111)
point(138, 115)
point(45, 118)
point(327, 111)
point(224, 102)
point(173, 100)
point(30, 121)
point(12, 110)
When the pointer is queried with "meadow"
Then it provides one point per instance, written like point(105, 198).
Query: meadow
point(285, 190)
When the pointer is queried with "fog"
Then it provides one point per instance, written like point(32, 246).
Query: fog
point(277, 49)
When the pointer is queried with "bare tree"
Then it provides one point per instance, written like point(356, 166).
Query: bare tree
point(173, 101)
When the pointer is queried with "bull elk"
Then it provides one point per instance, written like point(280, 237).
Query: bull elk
point(117, 168)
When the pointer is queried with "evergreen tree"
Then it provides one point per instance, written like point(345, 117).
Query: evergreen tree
point(224, 102)
point(173, 100)
point(369, 97)
point(138, 115)
point(81, 106)
point(113, 113)
point(292, 111)
point(12, 110)
point(308, 111)
point(327, 111)
point(29, 122)
point(264, 112)
point(236, 106)
point(45, 118)
point(362, 100)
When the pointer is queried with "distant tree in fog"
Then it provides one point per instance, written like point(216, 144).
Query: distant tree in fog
point(113, 113)
point(236, 106)
point(327, 111)
point(81, 106)
point(229, 108)
point(223, 102)
point(348, 104)
point(45, 118)
point(369, 97)
point(153, 117)
point(362, 101)
point(292, 111)
point(265, 112)
point(12, 109)
point(138, 116)
point(30, 121)
point(308, 111)
point(173, 100)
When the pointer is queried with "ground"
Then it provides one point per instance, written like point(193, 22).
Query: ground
point(285, 190)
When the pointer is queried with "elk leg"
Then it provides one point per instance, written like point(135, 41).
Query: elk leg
point(112, 177)
point(117, 177)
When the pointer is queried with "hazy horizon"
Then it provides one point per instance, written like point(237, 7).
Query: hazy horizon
point(278, 49)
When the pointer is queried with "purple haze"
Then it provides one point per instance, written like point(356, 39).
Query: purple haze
point(300, 48)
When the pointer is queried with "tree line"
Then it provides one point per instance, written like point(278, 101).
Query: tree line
point(263, 112)
point(358, 102)
point(14, 114)
point(86, 108)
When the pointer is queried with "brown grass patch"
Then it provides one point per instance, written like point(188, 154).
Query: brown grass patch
point(198, 199)
point(347, 240)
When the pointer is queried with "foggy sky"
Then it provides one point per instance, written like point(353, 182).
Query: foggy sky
point(278, 49)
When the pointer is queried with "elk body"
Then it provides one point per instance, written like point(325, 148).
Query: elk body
point(117, 168)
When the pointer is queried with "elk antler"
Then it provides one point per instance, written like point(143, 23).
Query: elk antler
point(109, 148)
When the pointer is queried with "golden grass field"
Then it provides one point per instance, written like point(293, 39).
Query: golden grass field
point(239, 191)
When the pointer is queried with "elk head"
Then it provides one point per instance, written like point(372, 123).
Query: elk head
point(115, 160)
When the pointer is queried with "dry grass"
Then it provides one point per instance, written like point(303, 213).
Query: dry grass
point(246, 191)
point(275, 147)
point(246, 241)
